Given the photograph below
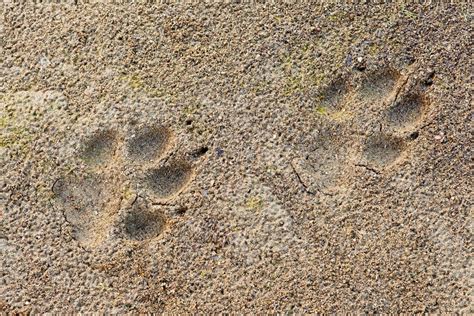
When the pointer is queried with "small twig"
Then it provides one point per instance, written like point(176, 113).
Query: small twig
point(165, 160)
point(54, 184)
point(325, 193)
point(135, 199)
point(426, 125)
point(161, 204)
point(300, 180)
point(368, 168)
point(402, 86)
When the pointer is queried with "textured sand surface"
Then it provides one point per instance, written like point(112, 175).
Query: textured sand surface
point(236, 157)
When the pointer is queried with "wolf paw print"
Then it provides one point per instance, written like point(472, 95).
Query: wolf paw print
point(110, 196)
point(381, 112)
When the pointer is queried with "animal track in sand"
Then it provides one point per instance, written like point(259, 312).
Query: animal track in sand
point(103, 196)
point(366, 121)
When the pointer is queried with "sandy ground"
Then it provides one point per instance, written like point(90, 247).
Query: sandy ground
point(240, 158)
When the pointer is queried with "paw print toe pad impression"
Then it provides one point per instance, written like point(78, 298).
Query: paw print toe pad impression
point(333, 94)
point(379, 84)
point(99, 147)
point(170, 179)
point(149, 143)
point(382, 150)
point(142, 224)
point(406, 112)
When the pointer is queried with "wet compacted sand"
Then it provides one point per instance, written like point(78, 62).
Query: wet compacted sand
point(248, 158)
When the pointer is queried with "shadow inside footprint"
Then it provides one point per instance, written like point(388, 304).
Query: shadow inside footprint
point(379, 84)
point(382, 150)
point(99, 147)
point(406, 112)
point(170, 179)
point(148, 143)
point(142, 224)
